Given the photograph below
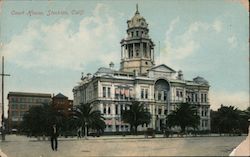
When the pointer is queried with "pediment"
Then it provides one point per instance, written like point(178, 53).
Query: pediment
point(162, 68)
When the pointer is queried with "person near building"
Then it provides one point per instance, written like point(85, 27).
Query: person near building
point(53, 137)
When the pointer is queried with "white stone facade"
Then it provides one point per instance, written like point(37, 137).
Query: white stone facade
point(160, 87)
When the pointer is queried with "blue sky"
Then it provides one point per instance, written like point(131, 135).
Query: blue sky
point(47, 53)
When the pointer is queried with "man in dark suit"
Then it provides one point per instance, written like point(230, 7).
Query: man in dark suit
point(53, 137)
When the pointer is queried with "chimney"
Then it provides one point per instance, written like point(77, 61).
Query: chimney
point(111, 65)
point(180, 75)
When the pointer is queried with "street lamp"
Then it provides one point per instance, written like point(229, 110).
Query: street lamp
point(3, 75)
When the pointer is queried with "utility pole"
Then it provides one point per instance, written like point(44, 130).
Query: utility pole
point(3, 75)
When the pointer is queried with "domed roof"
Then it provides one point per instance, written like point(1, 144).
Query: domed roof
point(105, 70)
point(137, 20)
point(200, 80)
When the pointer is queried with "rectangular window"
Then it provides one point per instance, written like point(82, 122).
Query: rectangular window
point(14, 106)
point(117, 93)
point(181, 94)
point(205, 97)
point(165, 96)
point(116, 109)
point(201, 97)
point(15, 114)
point(122, 93)
point(146, 93)
point(109, 110)
point(177, 93)
point(22, 106)
point(142, 93)
point(192, 97)
point(104, 92)
point(159, 95)
point(159, 111)
point(137, 33)
point(196, 97)
point(104, 109)
point(109, 92)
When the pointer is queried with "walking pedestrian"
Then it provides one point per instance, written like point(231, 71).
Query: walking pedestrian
point(53, 137)
point(79, 132)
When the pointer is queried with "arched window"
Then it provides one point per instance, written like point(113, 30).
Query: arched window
point(162, 90)
point(109, 110)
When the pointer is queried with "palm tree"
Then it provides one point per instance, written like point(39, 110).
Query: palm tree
point(85, 116)
point(136, 115)
point(228, 119)
point(184, 116)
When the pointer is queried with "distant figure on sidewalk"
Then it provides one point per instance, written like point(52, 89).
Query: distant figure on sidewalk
point(53, 137)
point(79, 132)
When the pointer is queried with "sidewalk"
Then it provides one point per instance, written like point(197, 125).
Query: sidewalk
point(21, 146)
point(2, 154)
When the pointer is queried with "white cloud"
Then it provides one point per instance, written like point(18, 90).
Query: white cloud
point(172, 26)
point(178, 47)
point(58, 45)
point(217, 25)
point(237, 99)
point(232, 41)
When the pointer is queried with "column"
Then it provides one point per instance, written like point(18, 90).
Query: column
point(107, 106)
point(148, 48)
point(133, 50)
point(119, 109)
point(113, 124)
point(153, 117)
point(141, 50)
point(126, 51)
point(153, 52)
point(101, 108)
point(122, 52)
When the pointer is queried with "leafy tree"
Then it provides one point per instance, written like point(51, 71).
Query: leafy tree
point(85, 116)
point(136, 115)
point(184, 116)
point(214, 121)
point(38, 120)
point(228, 119)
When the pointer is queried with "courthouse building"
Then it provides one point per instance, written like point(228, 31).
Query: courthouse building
point(159, 87)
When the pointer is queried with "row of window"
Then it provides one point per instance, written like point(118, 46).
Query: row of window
point(161, 95)
point(204, 123)
point(193, 97)
point(136, 47)
point(125, 93)
point(107, 109)
point(106, 92)
point(122, 127)
point(17, 114)
point(144, 93)
point(204, 112)
point(120, 93)
point(28, 99)
point(19, 106)
point(137, 34)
